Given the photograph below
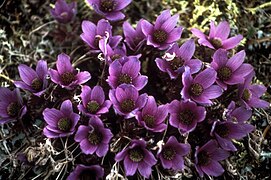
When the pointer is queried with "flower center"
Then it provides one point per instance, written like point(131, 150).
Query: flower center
point(217, 43)
point(168, 153)
point(67, 78)
point(36, 84)
point(196, 89)
point(203, 158)
point(149, 120)
point(107, 5)
point(127, 105)
point(186, 117)
point(160, 36)
point(115, 57)
point(136, 154)
point(246, 95)
point(93, 107)
point(64, 124)
point(125, 79)
point(224, 73)
point(13, 109)
point(222, 131)
point(95, 137)
point(176, 63)
point(88, 174)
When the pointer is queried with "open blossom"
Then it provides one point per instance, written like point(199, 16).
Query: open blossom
point(126, 100)
point(250, 94)
point(207, 157)
point(218, 36)
point(97, 37)
point(94, 138)
point(137, 157)
point(225, 131)
point(200, 89)
point(110, 9)
point(185, 115)
point(230, 71)
point(176, 59)
point(237, 114)
point(11, 105)
point(126, 73)
point(66, 75)
point(134, 38)
point(152, 117)
point(93, 101)
point(86, 172)
point(33, 81)
point(163, 33)
point(171, 154)
point(64, 12)
point(60, 123)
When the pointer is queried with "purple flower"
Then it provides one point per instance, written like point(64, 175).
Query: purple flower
point(127, 72)
point(250, 94)
point(153, 117)
point(66, 75)
point(163, 33)
point(207, 157)
point(136, 156)
point(33, 81)
point(177, 58)
point(225, 131)
point(93, 101)
point(201, 88)
point(63, 12)
point(218, 36)
point(230, 71)
point(110, 9)
point(171, 154)
point(237, 114)
point(60, 123)
point(98, 36)
point(126, 100)
point(94, 138)
point(112, 54)
point(11, 105)
point(185, 115)
point(86, 172)
point(134, 38)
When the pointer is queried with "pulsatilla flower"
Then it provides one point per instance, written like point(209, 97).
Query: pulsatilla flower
point(60, 123)
point(126, 100)
point(237, 114)
point(94, 172)
point(110, 9)
point(134, 38)
point(171, 154)
point(163, 33)
point(11, 105)
point(218, 36)
point(250, 94)
point(93, 101)
point(126, 73)
point(153, 117)
point(66, 75)
point(33, 81)
point(207, 157)
point(201, 88)
point(64, 12)
point(230, 71)
point(177, 58)
point(98, 36)
point(225, 131)
point(185, 115)
point(94, 138)
point(136, 156)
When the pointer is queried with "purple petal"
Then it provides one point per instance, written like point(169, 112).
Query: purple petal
point(205, 42)
point(121, 155)
point(49, 133)
point(42, 69)
point(132, 67)
point(213, 169)
point(140, 82)
point(141, 101)
point(27, 74)
point(129, 166)
point(51, 116)
point(144, 169)
point(63, 63)
point(170, 23)
point(115, 16)
point(85, 95)
point(102, 150)
point(198, 33)
point(54, 76)
point(212, 29)
point(235, 61)
point(81, 133)
point(220, 57)
point(225, 144)
point(222, 30)
point(22, 85)
point(115, 68)
point(174, 35)
point(97, 95)
point(194, 65)
point(162, 64)
point(66, 108)
point(232, 42)
point(241, 114)
point(187, 50)
point(122, 4)
point(206, 78)
point(150, 107)
point(178, 163)
point(258, 90)
point(163, 17)
point(147, 28)
point(83, 77)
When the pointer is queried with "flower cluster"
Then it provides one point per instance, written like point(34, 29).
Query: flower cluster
point(126, 117)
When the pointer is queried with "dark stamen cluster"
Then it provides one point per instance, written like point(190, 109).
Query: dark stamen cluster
point(127, 105)
point(160, 36)
point(93, 106)
point(168, 153)
point(186, 117)
point(149, 120)
point(224, 73)
point(136, 154)
point(176, 63)
point(107, 5)
point(196, 89)
point(125, 78)
point(13, 109)
point(95, 137)
point(64, 124)
point(67, 78)
point(36, 84)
